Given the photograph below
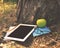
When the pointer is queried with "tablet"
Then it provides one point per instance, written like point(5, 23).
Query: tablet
point(20, 33)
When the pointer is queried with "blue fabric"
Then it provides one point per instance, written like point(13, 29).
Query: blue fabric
point(41, 31)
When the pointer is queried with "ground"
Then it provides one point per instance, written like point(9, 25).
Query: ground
point(8, 18)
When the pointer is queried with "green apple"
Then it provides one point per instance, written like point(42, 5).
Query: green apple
point(41, 23)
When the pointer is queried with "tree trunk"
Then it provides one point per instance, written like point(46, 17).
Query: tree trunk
point(48, 9)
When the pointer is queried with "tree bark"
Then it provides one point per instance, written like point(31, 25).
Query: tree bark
point(48, 9)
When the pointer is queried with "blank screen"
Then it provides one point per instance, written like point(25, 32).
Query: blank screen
point(21, 31)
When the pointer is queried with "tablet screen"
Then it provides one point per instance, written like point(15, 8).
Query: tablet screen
point(21, 31)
